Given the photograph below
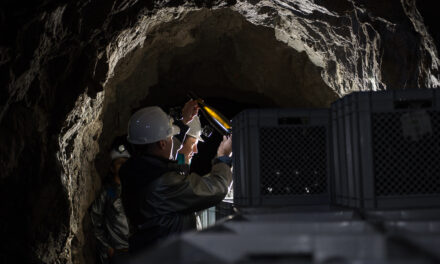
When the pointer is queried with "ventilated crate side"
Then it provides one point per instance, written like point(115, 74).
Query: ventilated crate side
point(406, 168)
point(355, 151)
point(389, 168)
point(282, 156)
point(337, 179)
point(245, 153)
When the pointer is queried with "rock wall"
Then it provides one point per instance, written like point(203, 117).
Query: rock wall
point(64, 67)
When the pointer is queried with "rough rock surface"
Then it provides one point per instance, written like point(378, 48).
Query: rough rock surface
point(64, 67)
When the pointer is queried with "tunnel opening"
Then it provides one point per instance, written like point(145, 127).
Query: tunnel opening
point(220, 56)
point(226, 60)
point(74, 72)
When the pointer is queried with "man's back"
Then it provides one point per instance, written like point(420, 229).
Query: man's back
point(160, 196)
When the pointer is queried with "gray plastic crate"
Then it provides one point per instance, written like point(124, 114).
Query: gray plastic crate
point(403, 215)
point(224, 209)
point(341, 194)
point(281, 157)
point(413, 227)
point(298, 227)
point(300, 216)
point(255, 248)
point(387, 149)
point(427, 243)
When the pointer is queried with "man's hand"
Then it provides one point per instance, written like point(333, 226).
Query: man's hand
point(189, 111)
point(225, 147)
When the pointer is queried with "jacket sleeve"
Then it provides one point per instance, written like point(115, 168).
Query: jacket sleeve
point(97, 214)
point(193, 192)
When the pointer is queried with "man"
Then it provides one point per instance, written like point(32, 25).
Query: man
point(188, 150)
point(193, 137)
point(160, 195)
point(107, 213)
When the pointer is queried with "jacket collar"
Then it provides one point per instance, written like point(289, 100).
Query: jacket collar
point(166, 164)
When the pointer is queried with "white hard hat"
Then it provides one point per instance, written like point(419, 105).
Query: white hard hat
point(149, 125)
point(195, 129)
point(119, 152)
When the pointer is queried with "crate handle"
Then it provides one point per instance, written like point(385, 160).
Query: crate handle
point(293, 121)
point(413, 104)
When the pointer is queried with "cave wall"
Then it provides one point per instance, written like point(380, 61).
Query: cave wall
point(215, 54)
point(62, 66)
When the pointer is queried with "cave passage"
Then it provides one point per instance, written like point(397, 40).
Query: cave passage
point(229, 62)
point(74, 72)
point(223, 58)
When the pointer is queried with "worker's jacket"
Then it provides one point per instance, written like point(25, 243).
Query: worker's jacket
point(109, 221)
point(161, 197)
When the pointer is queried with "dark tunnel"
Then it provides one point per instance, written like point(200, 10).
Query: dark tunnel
point(218, 59)
point(72, 74)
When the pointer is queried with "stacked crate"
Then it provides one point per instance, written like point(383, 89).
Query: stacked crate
point(372, 151)
point(386, 150)
point(281, 157)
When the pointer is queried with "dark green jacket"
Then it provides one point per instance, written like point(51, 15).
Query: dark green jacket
point(161, 197)
point(109, 221)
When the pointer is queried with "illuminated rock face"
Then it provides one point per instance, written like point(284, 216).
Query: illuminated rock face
point(72, 73)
